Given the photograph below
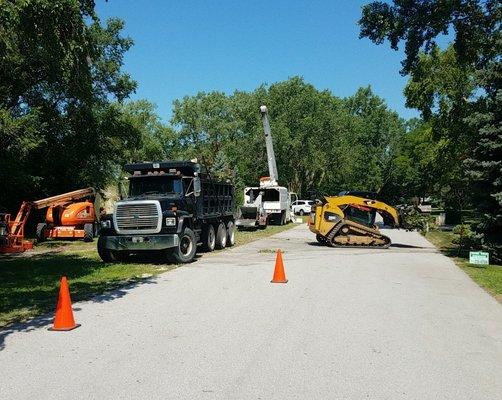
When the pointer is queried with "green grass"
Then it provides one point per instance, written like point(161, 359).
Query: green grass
point(488, 277)
point(243, 237)
point(29, 283)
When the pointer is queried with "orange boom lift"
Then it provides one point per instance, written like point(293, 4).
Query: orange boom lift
point(66, 218)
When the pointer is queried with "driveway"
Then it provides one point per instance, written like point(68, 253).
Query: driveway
point(400, 323)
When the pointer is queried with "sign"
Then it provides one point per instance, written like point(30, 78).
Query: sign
point(479, 257)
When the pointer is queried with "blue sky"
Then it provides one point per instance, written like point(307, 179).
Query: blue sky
point(183, 47)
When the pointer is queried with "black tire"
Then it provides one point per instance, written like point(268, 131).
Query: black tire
point(187, 246)
point(208, 238)
point(106, 255)
point(221, 236)
point(41, 228)
point(302, 213)
point(321, 239)
point(88, 232)
point(230, 233)
point(283, 218)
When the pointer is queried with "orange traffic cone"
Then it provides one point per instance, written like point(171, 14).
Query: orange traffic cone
point(64, 314)
point(279, 275)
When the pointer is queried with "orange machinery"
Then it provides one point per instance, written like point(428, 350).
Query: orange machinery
point(66, 217)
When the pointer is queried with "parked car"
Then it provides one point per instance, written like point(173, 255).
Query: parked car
point(302, 207)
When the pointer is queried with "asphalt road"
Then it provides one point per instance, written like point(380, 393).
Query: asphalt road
point(402, 323)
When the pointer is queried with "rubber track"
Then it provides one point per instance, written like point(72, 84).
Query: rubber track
point(336, 228)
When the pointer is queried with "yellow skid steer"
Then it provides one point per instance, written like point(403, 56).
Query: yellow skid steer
point(349, 221)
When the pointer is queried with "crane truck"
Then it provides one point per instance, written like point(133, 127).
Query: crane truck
point(269, 202)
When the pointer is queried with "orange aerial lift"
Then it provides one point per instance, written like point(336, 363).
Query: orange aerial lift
point(66, 217)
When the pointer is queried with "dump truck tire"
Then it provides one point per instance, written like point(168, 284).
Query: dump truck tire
point(230, 233)
point(221, 236)
point(208, 238)
point(106, 255)
point(187, 246)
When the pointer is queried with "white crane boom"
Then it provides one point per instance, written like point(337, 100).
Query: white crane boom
point(272, 166)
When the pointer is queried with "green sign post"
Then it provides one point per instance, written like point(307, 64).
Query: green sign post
point(479, 257)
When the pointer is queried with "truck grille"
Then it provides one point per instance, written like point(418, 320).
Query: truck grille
point(140, 216)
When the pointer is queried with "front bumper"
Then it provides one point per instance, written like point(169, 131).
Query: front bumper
point(139, 242)
point(246, 223)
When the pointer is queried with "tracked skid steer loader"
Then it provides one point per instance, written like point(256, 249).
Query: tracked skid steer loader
point(349, 221)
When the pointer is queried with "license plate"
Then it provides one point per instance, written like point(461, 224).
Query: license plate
point(139, 239)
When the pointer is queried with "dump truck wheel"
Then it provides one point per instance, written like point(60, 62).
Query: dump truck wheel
point(88, 232)
point(208, 238)
point(41, 228)
point(106, 255)
point(230, 234)
point(187, 246)
point(221, 236)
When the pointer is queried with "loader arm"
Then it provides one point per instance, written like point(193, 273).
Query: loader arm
point(388, 213)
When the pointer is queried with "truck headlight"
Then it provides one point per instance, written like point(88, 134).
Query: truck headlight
point(170, 221)
point(106, 224)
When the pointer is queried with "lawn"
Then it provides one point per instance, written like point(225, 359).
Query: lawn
point(488, 277)
point(29, 282)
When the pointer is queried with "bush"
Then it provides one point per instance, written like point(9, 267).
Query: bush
point(413, 220)
point(465, 237)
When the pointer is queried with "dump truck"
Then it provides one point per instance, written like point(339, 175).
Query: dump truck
point(349, 220)
point(268, 202)
point(172, 208)
point(70, 215)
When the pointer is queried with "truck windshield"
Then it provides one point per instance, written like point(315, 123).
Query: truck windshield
point(155, 185)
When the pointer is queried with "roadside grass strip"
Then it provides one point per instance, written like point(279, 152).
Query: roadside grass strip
point(29, 283)
point(489, 277)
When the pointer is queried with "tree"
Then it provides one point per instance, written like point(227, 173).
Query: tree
point(375, 143)
point(470, 101)
point(157, 141)
point(321, 141)
point(59, 75)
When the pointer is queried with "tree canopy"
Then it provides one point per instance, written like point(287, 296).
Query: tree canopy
point(60, 81)
point(322, 142)
point(458, 90)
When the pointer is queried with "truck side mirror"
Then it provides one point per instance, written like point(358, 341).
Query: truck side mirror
point(196, 186)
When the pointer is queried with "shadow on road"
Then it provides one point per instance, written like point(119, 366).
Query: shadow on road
point(407, 246)
point(317, 244)
point(392, 246)
point(30, 286)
